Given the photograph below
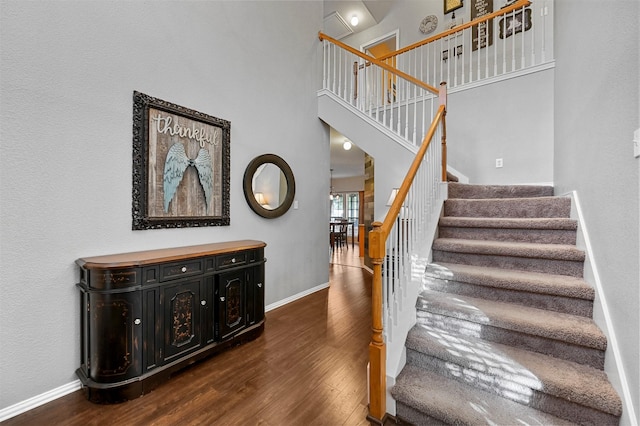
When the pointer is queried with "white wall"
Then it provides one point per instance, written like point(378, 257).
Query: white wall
point(596, 111)
point(67, 73)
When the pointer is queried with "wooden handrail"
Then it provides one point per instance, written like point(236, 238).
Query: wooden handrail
point(379, 63)
point(396, 206)
point(377, 242)
point(517, 5)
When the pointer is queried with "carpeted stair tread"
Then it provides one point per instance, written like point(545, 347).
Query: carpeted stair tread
point(552, 223)
point(573, 329)
point(535, 207)
point(513, 249)
point(517, 373)
point(533, 282)
point(532, 230)
point(453, 402)
point(459, 190)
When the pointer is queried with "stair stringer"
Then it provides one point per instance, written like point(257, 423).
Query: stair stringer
point(376, 140)
point(613, 363)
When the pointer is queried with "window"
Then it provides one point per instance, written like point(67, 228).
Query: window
point(346, 206)
point(337, 206)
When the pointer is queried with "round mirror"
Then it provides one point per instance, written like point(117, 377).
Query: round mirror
point(269, 186)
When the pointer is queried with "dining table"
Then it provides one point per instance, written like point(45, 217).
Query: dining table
point(332, 228)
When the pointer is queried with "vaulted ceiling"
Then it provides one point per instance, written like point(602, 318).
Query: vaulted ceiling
point(338, 14)
point(337, 17)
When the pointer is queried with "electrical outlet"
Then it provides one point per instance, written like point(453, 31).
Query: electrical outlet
point(498, 163)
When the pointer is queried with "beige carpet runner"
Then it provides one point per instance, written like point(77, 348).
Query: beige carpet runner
point(504, 333)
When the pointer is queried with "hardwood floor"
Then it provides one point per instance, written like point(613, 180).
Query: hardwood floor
point(308, 368)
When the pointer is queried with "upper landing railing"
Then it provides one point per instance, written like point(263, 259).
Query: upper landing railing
point(399, 102)
point(513, 39)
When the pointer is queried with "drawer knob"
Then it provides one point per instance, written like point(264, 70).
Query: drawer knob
point(184, 269)
point(259, 285)
point(233, 260)
point(222, 299)
point(203, 302)
point(137, 321)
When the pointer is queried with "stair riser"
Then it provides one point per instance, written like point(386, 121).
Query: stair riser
point(549, 266)
point(497, 191)
point(414, 417)
point(492, 380)
point(509, 208)
point(541, 236)
point(534, 300)
point(543, 345)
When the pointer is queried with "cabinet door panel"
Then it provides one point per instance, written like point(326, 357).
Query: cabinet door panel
point(231, 303)
point(152, 326)
point(258, 295)
point(181, 318)
point(208, 311)
point(116, 336)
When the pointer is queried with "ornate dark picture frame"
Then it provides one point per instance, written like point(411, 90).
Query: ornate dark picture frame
point(181, 166)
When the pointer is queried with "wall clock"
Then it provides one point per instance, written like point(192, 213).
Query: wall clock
point(429, 24)
point(451, 5)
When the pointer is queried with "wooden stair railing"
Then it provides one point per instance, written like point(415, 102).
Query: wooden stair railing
point(379, 235)
point(517, 5)
point(377, 243)
point(379, 63)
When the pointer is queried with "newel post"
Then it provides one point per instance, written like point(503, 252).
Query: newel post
point(443, 102)
point(377, 348)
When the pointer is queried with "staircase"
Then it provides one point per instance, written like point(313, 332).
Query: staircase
point(504, 333)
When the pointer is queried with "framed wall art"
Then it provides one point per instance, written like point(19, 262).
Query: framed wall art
point(181, 163)
point(451, 5)
point(481, 34)
point(515, 23)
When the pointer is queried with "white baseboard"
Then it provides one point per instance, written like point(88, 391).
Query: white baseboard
point(43, 398)
point(38, 400)
point(295, 297)
point(592, 276)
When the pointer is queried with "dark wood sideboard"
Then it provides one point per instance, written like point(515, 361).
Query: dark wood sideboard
point(145, 315)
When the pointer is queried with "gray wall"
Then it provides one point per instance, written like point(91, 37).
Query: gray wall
point(510, 119)
point(596, 112)
point(67, 73)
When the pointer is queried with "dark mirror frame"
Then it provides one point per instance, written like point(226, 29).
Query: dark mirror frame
point(248, 188)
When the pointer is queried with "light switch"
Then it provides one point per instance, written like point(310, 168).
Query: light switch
point(636, 143)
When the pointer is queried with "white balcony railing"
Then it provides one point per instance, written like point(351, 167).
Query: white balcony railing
point(516, 39)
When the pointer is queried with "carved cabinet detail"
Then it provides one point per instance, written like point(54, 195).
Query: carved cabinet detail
point(145, 315)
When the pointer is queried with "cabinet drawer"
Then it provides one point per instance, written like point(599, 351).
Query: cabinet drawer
point(226, 261)
point(107, 279)
point(187, 268)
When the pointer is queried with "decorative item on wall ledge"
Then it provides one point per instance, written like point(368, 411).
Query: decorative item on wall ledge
point(429, 24)
point(451, 5)
point(167, 140)
point(515, 23)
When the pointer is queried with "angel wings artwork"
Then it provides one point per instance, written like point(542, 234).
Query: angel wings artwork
point(175, 166)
